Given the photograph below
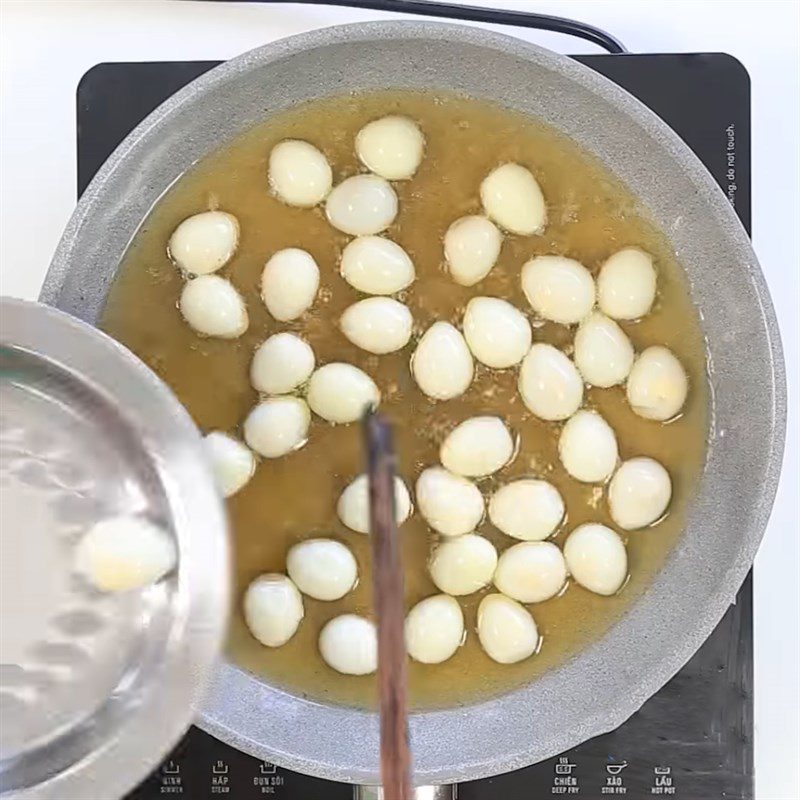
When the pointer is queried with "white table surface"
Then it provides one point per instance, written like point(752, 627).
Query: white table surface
point(47, 45)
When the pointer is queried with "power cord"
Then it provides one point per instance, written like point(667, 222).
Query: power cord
point(495, 16)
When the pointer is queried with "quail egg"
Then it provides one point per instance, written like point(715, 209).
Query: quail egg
point(434, 629)
point(353, 505)
point(506, 630)
point(349, 644)
point(376, 265)
point(213, 307)
point(549, 383)
point(463, 564)
point(531, 572)
point(273, 609)
point(559, 289)
point(204, 242)
point(232, 462)
point(289, 283)
point(121, 553)
point(471, 248)
point(322, 568)
point(476, 447)
point(362, 205)
point(639, 493)
point(603, 353)
point(657, 385)
point(391, 147)
point(596, 558)
point(527, 509)
point(299, 173)
point(442, 363)
point(340, 392)
point(277, 426)
point(588, 447)
point(497, 333)
point(378, 325)
point(449, 503)
point(512, 198)
point(281, 364)
point(626, 284)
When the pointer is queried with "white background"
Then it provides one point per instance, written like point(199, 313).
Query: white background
point(47, 45)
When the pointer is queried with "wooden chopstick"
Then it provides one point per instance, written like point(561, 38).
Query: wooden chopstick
point(387, 588)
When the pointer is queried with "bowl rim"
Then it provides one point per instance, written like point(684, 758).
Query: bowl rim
point(116, 745)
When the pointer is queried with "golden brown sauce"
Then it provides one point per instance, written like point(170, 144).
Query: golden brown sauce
point(292, 498)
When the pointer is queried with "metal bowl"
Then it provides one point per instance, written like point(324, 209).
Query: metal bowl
point(607, 682)
point(95, 688)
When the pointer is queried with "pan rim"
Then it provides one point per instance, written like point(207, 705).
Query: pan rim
point(442, 765)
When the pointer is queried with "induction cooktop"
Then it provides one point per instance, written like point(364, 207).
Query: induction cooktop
point(694, 739)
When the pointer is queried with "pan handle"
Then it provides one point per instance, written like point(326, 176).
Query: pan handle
point(442, 792)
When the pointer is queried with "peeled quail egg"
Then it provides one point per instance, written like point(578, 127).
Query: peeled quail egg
point(626, 285)
point(476, 447)
point(204, 242)
point(463, 564)
point(603, 353)
point(289, 283)
point(353, 505)
point(549, 383)
point(122, 553)
point(340, 392)
point(434, 629)
point(588, 447)
point(322, 568)
point(349, 644)
point(213, 307)
point(449, 503)
point(596, 558)
point(512, 198)
point(639, 493)
point(377, 324)
point(391, 147)
point(277, 425)
point(471, 248)
point(233, 463)
point(497, 333)
point(506, 630)
point(531, 572)
point(299, 174)
point(527, 509)
point(559, 289)
point(273, 608)
point(657, 385)
point(442, 363)
point(281, 364)
point(375, 265)
point(362, 205)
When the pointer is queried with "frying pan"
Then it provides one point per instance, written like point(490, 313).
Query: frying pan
point(602, 686)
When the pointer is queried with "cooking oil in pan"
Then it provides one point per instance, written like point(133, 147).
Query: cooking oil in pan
point(591, 215)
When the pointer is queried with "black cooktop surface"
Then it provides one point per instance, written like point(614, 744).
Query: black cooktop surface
point(694, 739)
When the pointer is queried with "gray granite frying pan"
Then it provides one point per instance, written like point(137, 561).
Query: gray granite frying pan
point(607, 682)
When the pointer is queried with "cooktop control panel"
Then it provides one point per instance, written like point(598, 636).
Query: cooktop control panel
point(201, 767)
